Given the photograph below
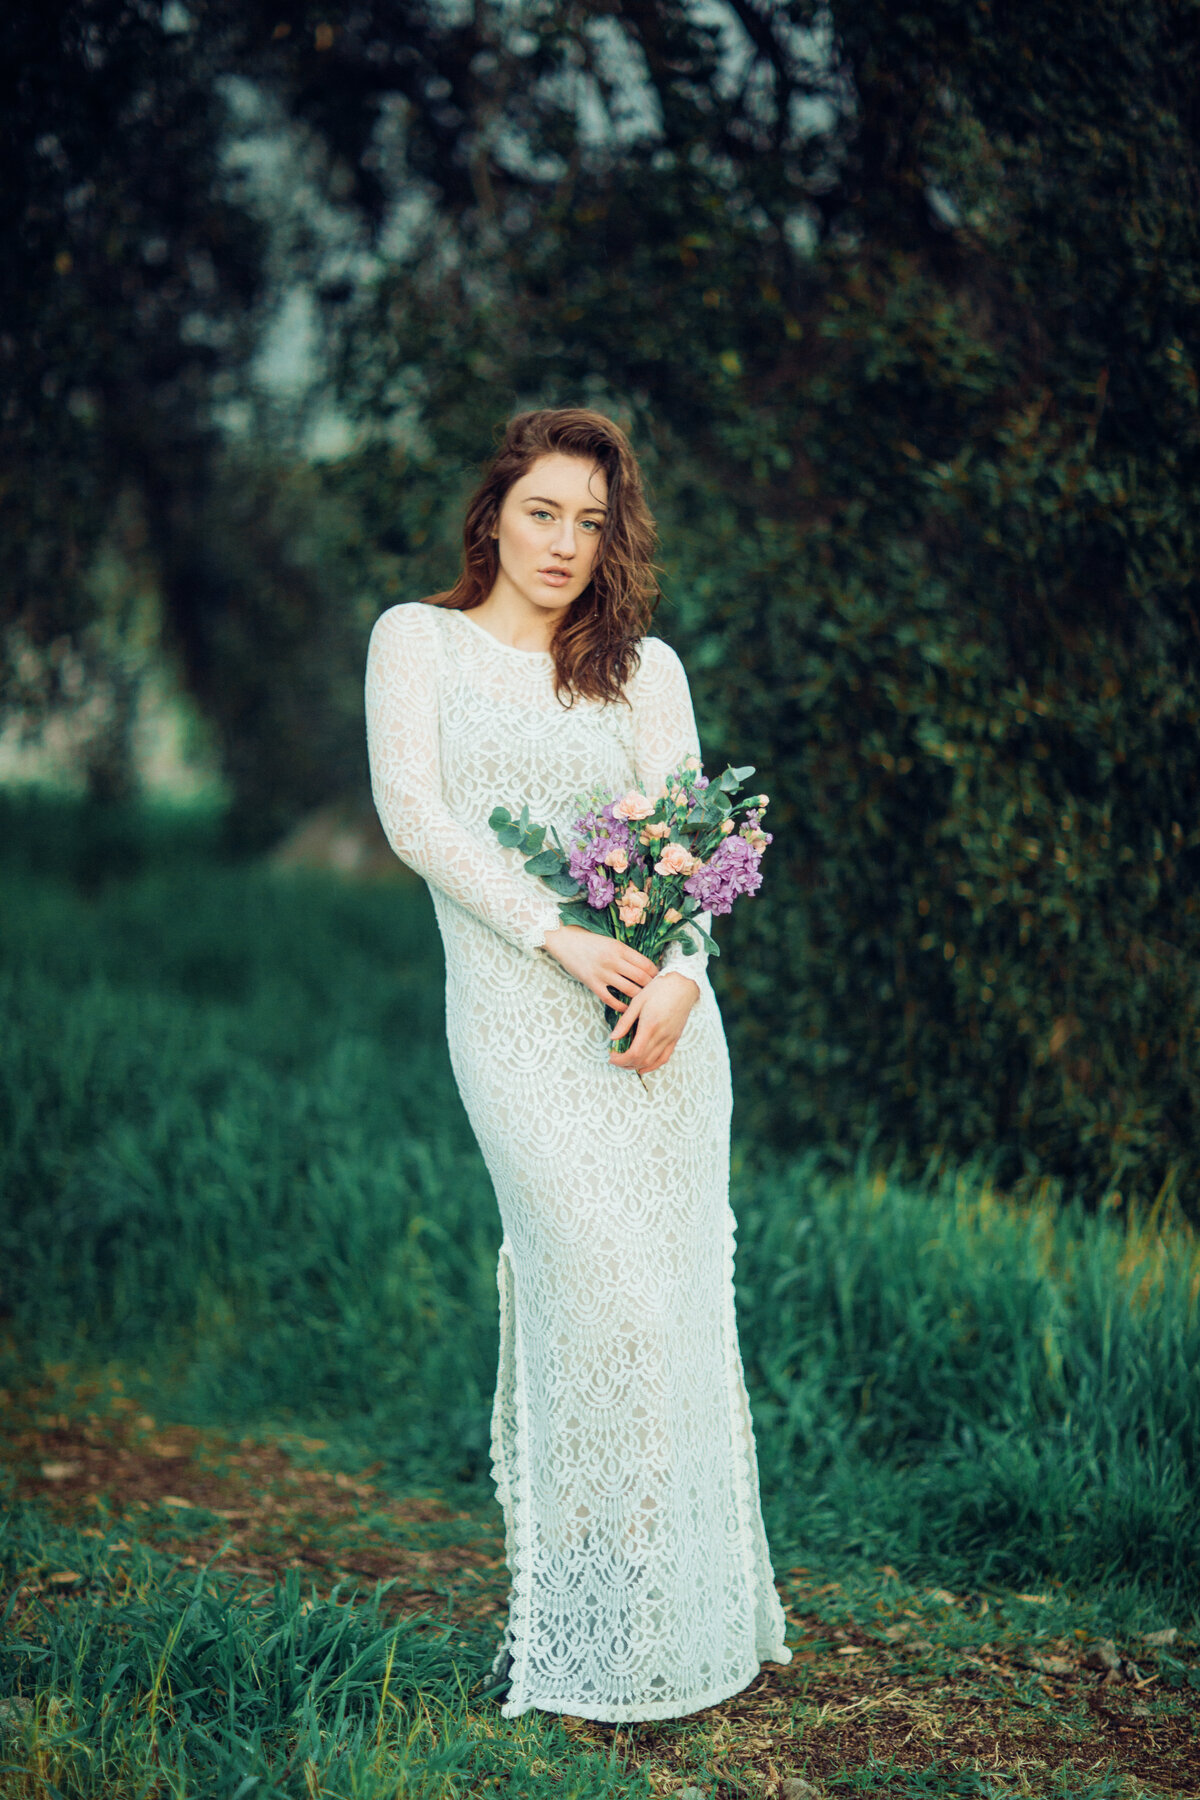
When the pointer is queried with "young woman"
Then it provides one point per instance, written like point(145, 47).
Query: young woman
point(622, 1447)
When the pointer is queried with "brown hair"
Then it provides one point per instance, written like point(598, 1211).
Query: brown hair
point(594, 646)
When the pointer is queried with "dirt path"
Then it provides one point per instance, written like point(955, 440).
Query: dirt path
point(907, 1687)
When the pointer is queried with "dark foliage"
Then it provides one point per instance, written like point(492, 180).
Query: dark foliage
point(901, 307)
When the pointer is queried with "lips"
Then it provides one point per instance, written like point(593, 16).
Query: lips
point(559, 577)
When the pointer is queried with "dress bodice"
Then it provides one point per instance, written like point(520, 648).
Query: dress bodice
point(508, 739)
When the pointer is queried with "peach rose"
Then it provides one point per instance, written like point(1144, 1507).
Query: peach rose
point(726, 827)
point(633, 806)
point(661, 830)
point(675, 860)
point(672, 915)
point(617, 859)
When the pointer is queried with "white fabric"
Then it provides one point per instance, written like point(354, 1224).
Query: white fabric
point(622, 1446)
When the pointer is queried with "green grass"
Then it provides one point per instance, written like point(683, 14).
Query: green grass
point(152, 1677)
point(233, 1164)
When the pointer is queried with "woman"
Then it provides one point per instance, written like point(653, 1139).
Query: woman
point(621, 1440)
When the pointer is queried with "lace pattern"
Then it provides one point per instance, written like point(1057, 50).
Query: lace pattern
point(622, 1445)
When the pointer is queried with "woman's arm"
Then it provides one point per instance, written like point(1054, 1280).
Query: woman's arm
point(402, 746)
point(664, 732)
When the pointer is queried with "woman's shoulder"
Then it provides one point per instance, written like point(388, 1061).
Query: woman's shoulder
point(657, 662)
point(411, 622)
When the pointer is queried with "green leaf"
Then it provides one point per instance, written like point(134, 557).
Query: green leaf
point(562, 883)
point(498, 816)
point(535, 837)
point(509, 835)
point(546, 862)
point(580, 913)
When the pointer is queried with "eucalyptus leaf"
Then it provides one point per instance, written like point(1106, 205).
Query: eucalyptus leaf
point(562, 883)
point(546, 862)
point(498, 816)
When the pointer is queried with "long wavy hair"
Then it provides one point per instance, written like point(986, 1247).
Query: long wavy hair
point(594, 646)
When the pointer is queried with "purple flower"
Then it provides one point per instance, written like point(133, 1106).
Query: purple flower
point(732, 869)
point(600, 890)
point(597, 834)
point(582, 860)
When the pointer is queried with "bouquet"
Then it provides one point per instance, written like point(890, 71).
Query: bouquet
point(640, 870)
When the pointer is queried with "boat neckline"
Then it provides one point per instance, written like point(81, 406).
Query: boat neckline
point(515, 649)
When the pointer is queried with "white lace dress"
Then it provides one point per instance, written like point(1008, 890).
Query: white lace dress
point(623, 1454)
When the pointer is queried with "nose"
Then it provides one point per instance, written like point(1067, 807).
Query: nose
point(564, 540)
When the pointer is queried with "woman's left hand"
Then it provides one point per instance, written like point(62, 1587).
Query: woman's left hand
point(656, 1015)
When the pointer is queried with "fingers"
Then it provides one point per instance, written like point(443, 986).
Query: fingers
point(632, 1059)
point(648, 1049)
point(630, 1013)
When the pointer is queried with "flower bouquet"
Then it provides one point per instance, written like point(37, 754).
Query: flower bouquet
point(639, 870)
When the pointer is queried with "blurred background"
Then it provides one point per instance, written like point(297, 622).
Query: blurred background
point(901, 308)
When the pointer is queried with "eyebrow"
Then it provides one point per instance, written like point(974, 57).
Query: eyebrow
point(543, 501)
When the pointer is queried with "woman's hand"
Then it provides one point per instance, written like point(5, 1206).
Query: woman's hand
point(601, 963)
point(658, 1013)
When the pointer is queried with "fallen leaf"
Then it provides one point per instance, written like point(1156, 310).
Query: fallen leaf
point(850, 1649)
point(1159, 1640)
point(62, 1577)
point(174, 1500)
point(1035, 1599)
point(1051, 1665)
point(59, 1471)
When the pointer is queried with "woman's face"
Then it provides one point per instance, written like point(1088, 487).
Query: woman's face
point(549, 530)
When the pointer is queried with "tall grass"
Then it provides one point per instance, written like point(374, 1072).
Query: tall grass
point(152, 1679)
point(232, 1155)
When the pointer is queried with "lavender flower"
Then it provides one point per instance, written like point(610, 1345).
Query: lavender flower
point(598, 833)
point(732, 869)
point(600, 890)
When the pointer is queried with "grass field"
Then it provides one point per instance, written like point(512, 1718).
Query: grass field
point(248, 1253)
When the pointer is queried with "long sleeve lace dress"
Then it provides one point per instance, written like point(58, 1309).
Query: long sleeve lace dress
point(622, 1447)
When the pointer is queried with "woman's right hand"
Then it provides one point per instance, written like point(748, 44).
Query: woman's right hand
point(601, 963)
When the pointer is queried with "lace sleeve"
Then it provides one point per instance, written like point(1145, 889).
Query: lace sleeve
point(402, 746)
point(664, 728)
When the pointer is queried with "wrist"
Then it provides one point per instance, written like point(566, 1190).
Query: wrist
point(681, 975)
